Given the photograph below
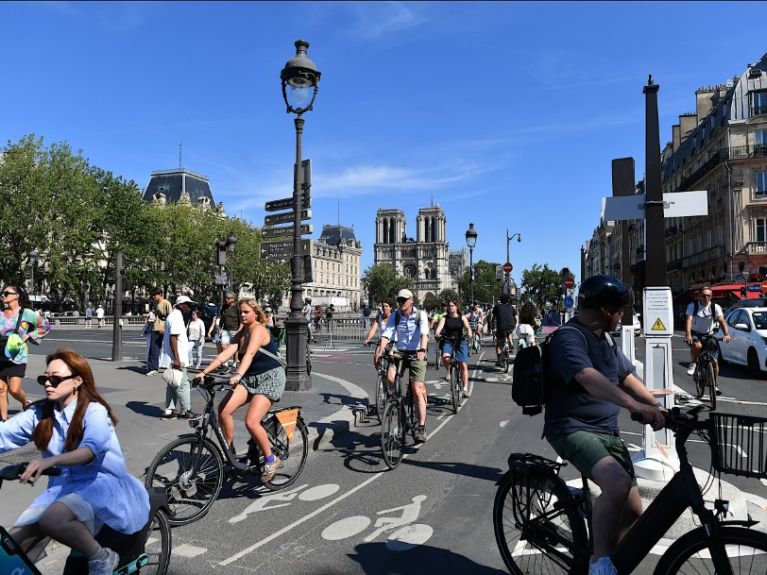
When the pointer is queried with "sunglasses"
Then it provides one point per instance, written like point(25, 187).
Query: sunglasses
point(401, 300)
point(55, 380)
point(7, 293)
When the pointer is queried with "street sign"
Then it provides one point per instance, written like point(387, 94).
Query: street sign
point(507, 267)
point(222, 279)
point(287, 217)
point(569, 302)
point(279, 249)
point(287, 204)
point(754, 288)
point(569, 282)
point(285, 231)
point(675, 205)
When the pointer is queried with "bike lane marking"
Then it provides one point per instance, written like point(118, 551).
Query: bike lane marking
point(318, 511)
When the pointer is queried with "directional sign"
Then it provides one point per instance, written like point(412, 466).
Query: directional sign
point(285, 231)
point(675, 205)
point(287, 204)
point(286, 217)
point(280, 250)
point(222, 279)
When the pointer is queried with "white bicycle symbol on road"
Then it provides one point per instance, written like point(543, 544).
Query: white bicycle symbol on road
point(403, 532)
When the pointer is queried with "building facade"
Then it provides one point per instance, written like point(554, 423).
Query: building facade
point(424, 259)
point(721, 148)
point(336, 260)
point(181, 186)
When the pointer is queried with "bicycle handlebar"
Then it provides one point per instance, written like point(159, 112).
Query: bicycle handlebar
point(14, 471)
point(677, 420)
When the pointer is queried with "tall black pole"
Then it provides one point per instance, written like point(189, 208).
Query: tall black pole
point(471, 275)
point(117, 341)
point(297, 379)
point(655, 264)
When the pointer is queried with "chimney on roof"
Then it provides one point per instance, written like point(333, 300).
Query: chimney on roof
point(703, 102)
point(676, 137)
point(687, 123)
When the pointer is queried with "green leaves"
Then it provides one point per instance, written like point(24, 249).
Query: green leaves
point(542, 286)
point(381, 281)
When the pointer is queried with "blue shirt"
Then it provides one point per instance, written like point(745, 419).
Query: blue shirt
point(570, 407)
point(408, 330)
point(117, 498)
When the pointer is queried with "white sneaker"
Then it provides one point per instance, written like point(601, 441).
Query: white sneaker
point(691, 369)
point(104, 566)
point(602, 566)
point(270, 469)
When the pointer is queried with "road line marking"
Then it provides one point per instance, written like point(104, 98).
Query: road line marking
point(187, 550)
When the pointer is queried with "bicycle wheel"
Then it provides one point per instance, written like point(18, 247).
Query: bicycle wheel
point(700, 382)
point(746, 550)
point(477, 344)
point(308, 360)
point(292, 456)
point(191, 471)
point(534, 534)
point(392, 434)
point(381, 385)
point(456, 387)
point(709, 376)
point(158, 545)
point(506, 358)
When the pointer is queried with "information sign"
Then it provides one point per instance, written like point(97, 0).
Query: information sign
point(287, 217)
point(658, 312)
point(285, 231)
point(569, 302)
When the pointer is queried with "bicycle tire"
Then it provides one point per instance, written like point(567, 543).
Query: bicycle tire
point(188, 499)
point(689, 554)
point(381, 384)
point(392, 435)
point(710, 377)
point(159, 533)
point(456, 387)
point(506, 359)
point(308, 360)
point(292, 456)
point(698, 376)
point(525, 549)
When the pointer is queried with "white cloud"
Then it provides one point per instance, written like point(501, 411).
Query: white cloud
point(373, 20)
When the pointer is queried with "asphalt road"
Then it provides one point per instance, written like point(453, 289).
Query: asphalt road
point(348, 515)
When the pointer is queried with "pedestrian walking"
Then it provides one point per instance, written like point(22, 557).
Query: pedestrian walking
point(100, 315)
point(162, 310)
point(196, 334)
point(89, 317)
point(175, 359)
point(18, 325)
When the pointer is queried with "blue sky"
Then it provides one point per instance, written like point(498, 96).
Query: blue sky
point(508, 115)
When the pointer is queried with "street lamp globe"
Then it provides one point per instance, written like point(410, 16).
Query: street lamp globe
point(471, 237)
point(300, 81)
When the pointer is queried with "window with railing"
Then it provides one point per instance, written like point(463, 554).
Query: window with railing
point(760, 227)
point(759, 102)
point(760, 142)
point(760, 183)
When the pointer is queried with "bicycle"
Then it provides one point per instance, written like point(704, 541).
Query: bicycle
point(456, 378)
point(475, 344)
point(705, 368)
point(542, 525)
point(504, 359)
point(381, 381)
point(145, 552)
point(191, 468)
point(399, 418)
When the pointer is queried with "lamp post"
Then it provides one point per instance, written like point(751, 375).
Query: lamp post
point(300, 81)
point(471, 242)
point(32, 255)
point(508, 257)
point(222, 246)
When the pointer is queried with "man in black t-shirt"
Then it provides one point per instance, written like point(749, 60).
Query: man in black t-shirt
point(505, 319)
point(595, 380)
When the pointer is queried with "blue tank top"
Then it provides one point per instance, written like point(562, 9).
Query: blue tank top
point(261, 362)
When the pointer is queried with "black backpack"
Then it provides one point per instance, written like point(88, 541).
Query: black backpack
point(531, 383)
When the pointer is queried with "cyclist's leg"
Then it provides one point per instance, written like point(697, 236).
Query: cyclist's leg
point(447, 350)
point(498, 345)
point(233, 401)
point(257, 410)
point(695, 350)
point(26, 536)
point(417, 376)
point(462, 357)
point(62, 524)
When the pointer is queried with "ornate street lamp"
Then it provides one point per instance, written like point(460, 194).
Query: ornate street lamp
point(32, 255)
point(300, 80)
point(222, 246)
point(507, 279)
point(471, 242)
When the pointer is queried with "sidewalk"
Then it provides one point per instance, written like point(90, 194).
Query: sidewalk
point(328, 408)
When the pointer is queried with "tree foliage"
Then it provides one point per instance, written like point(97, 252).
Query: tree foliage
point(381, 281)
point(542, 286)
point(487, 288)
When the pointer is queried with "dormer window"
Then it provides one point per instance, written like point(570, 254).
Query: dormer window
point(759, 102)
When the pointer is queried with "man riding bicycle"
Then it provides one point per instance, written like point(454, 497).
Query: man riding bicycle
point(476, 318)
point(505, 320)
point(699, 320)
point(595, 380)
point(411, 328)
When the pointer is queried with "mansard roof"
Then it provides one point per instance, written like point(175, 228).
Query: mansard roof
point(171, 183)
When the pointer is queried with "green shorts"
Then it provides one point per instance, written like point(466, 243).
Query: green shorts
point(417, 367)
point(585, 448)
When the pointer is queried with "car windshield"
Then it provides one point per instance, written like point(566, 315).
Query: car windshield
point(760, 319)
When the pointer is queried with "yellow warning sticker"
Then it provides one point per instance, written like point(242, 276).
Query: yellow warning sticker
point(658, 326)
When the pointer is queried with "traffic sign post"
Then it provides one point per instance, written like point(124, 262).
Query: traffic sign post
point(285, 218)
point(569, 282)
point(285, 231)
point(507, 267)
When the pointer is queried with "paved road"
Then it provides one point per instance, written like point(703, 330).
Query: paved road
point(348, 515)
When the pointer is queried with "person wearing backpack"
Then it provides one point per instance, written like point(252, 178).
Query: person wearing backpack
point(411, 327)
point(505, 320)
point(699, 320)
point(594, 381)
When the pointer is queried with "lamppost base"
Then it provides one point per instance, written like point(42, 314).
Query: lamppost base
point(296, 331)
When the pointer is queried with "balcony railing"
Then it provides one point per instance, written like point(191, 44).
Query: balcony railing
point(732, 153)
point(756, 247)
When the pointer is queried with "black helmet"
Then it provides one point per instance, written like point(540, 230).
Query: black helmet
point(603, 291)
point(308, 300)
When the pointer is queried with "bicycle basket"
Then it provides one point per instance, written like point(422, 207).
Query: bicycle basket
point(740, 445)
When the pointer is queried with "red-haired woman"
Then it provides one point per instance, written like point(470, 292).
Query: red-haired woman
point(74, 430)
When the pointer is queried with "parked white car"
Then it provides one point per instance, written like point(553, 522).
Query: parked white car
point(748, 328)
point(637, 325)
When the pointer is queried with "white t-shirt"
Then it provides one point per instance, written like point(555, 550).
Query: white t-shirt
point(524, 331)
point(703, 321)
point(174, 325)
point(99, 312)
point(196, 330)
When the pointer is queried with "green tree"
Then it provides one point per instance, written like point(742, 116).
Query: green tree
point(381, 281)
point(448, 294)
point(487, 288)
point(541, 286)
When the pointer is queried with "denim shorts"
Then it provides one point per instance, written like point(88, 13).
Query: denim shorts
point(270, 384)
point(461, 350)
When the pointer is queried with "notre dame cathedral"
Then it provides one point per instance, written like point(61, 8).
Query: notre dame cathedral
point(425, 259)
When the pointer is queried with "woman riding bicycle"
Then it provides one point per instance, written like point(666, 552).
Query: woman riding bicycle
point(524, 332)
point(74, 430)
point(453, 325)
point(260, 376)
